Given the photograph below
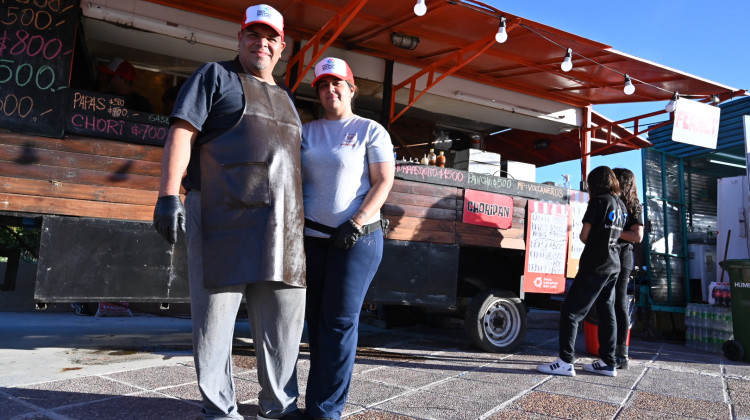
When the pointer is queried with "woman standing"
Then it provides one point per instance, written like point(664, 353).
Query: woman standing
point(631, 233)
point(595, 282)
point(347, 173)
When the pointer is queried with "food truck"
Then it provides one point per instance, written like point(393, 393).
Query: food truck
point(477, 238)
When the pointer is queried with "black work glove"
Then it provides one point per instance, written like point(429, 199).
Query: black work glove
point(347, 234)
point(169, 216)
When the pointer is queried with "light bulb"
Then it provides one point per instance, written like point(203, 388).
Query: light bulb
point(567, 63)
point(629, 89)
point(672, 104)
point(420, 8)
point(502, 34)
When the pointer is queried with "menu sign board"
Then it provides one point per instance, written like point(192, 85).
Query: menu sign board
point(546, 246)
point(105, 116)
point(36, 51)
point(578, 204)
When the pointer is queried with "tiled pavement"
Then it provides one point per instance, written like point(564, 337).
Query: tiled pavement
point(59, 366)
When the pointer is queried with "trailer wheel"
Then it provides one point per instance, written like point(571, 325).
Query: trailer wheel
point(496, 321)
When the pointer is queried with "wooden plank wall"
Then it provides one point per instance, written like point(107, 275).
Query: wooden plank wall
point(433, 213)
point(78, 176)
point(91, 177)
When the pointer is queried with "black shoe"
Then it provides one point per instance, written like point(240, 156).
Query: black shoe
point(621, 362)
point(621, 357)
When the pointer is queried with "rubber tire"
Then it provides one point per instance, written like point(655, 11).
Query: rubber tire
point(733, 350)
point(503, 307)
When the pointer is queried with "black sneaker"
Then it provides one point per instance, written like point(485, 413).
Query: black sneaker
point(601, 368)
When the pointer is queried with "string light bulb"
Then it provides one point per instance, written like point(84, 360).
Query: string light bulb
point(567, 63)
point(672, 104)
point(502, 34)
point(420, 8)
point(629, 88)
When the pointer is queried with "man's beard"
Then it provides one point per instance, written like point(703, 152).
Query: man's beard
point(260, 66)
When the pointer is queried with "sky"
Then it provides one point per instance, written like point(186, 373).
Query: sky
point(708, 39)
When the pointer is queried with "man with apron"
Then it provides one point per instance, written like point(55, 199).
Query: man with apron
point(238, 135)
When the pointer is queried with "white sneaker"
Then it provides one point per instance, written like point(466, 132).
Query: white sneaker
point(601, 368)
point(558, 367)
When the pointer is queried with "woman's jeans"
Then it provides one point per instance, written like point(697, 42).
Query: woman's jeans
point(337, 281)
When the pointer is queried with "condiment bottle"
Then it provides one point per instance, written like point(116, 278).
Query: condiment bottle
point(424, 160)
point(441, 160)
point(431, 157)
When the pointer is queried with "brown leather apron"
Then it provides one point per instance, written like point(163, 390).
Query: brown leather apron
point(251, 194)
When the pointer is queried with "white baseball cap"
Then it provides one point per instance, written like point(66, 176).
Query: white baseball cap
point(265, 14)
point(331, 66)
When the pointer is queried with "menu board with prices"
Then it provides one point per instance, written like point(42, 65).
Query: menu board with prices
point(103, 115)
point(36, 50)
point(546, 247)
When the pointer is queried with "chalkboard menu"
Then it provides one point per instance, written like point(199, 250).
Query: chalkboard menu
point(105, 116)
point(481, 182)
point(36, 50)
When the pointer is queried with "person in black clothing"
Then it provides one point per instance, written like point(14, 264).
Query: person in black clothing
point(597, 273)
point(631, 233)
point(118, 77)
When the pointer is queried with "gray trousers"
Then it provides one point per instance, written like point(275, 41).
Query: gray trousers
point(276, 313)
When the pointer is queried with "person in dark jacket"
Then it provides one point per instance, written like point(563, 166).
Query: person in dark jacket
point(597, 273)
point(632, 233)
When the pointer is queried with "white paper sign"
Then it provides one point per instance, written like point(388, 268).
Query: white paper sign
point(696, 123)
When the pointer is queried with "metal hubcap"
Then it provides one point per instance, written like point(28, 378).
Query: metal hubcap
point(501, 322)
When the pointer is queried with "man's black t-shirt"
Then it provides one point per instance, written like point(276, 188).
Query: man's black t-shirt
point(601, 255)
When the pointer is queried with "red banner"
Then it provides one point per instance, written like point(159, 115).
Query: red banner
point(488, 209)
point(546, 247)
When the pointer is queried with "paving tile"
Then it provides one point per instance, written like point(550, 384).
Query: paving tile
point(690, 362)
point(12, 408)
point(471, 353)
point(377, 415)
point(38, 416)
point(70, 391)
point(632, 413)
point(677, 406)
point(737, 368)
point(243, 359)
point(157, 376)
point(144, 406)
point(555, 405)
point(513, 414)
point(739, 390)
point(427, 405)
point(407, 378)
point(682, 384)
point(442, 366)
point(367, 393)
point(490, 393)
point(626, 378)
point(577, 388)
point(509, 374)
point(742, 411)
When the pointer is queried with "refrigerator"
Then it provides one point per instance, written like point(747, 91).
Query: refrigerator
point(732, 214)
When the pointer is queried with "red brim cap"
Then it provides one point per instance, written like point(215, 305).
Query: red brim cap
point(266, 15)
point(335, 67)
